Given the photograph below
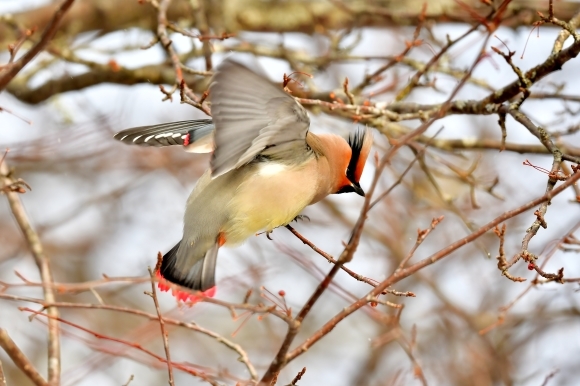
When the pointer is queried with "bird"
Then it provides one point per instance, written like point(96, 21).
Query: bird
point(266, 167)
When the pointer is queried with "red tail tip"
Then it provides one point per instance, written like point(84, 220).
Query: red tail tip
point(162, 283)
point(181, 295)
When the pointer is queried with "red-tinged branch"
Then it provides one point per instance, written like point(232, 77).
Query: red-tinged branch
point(243, 356)
point(283, 357)
point(137, 346)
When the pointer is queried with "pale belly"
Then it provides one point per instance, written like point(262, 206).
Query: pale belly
point(272, 197)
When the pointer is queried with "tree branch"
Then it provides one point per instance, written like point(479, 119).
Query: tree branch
point(259, 16)
point(402, 274)
point(164, 334)
point(14, 68)
point(43, 265)
point(20, 360)
point(2, 376)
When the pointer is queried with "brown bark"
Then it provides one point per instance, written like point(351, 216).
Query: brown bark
point(153, 74)
point(232, 16)
point(277, 16)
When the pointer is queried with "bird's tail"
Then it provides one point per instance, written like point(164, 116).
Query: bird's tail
point(199, 276)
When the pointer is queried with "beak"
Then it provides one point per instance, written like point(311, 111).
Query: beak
point(357, 189)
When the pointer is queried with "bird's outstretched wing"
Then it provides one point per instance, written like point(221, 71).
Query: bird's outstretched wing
point(251, 114)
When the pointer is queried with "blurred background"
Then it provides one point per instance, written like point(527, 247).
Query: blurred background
point(104, 208)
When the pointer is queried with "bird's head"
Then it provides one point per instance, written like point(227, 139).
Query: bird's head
point(352, 159)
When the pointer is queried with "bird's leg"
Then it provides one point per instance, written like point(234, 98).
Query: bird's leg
point(302, 217)
point(268, 233)
point(299, 217)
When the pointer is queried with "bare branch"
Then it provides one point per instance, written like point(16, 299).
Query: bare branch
point(164, 334)
point(2, 376)
point(14, 68)
point(20, 360)
point(398, 276)
point(43, 264)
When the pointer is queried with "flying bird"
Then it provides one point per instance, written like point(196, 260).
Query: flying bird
point(266, 167)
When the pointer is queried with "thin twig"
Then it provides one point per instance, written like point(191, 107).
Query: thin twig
point(131, 377)
point(553, 177)
point(504, 310)
point(199, 9)
point(332, 260)
point(243, 356)
point(166, 43)
point(75, 288)
point(182, 367)
point(435, 59)
point(283, 357)
point(298, 376)
point(14, 68)
point(550, 376)
point(421, 236)
point(43, 264)
point(164, 334)
point(369, 78)
point(398, 276)
point(408, 348)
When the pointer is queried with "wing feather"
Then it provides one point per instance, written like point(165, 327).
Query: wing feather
point(251, 114)
point(198, 133)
